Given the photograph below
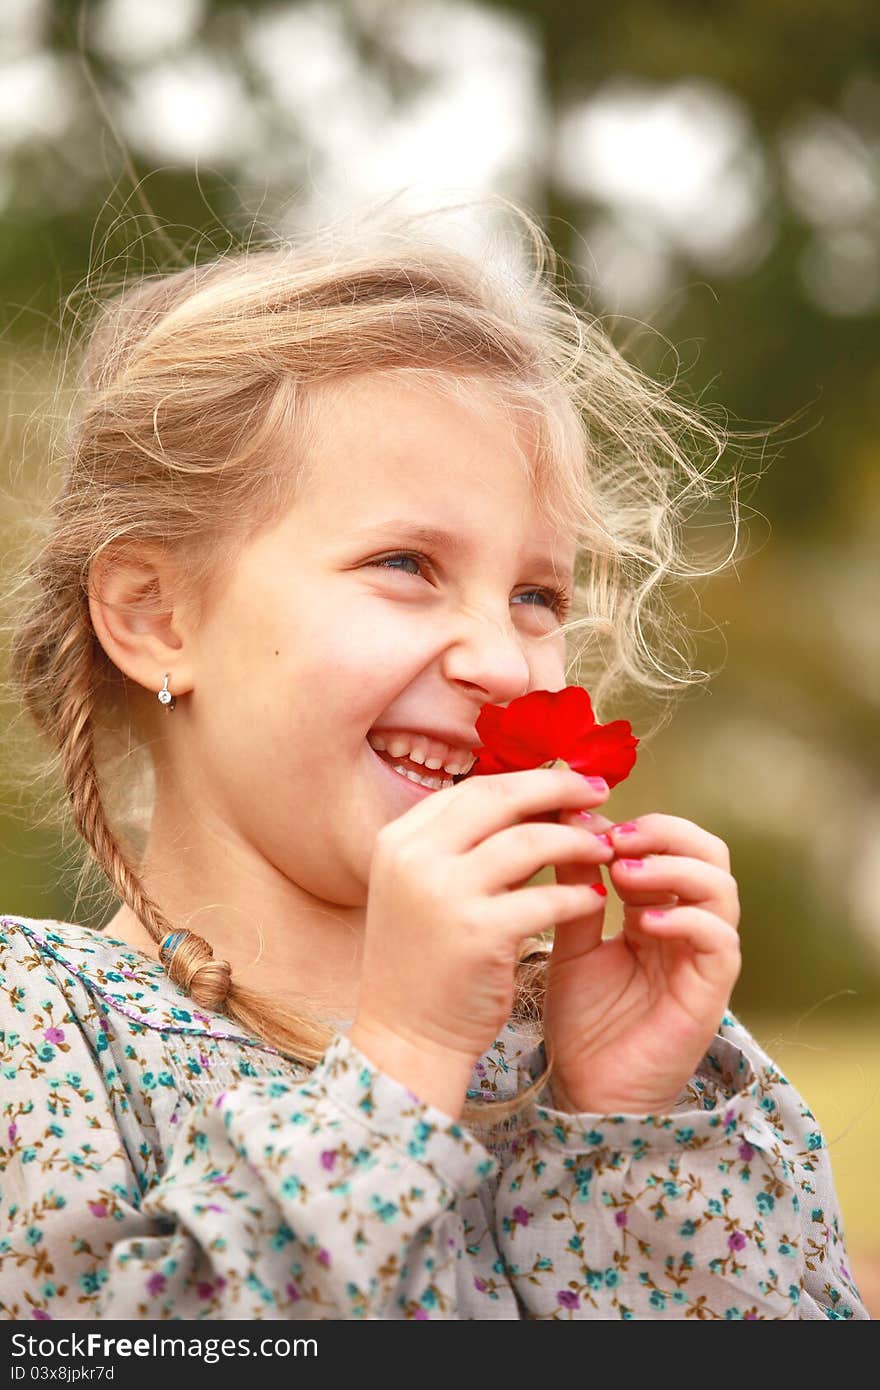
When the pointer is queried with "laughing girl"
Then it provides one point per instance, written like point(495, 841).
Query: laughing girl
point(335, 1055)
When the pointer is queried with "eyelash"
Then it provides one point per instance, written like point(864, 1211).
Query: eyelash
point(560, 599)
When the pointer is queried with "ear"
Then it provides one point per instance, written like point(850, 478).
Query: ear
point(139, 616)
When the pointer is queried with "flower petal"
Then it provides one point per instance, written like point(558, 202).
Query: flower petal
point(546, 725)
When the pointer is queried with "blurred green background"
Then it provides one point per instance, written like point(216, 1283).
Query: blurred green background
point(709, 170)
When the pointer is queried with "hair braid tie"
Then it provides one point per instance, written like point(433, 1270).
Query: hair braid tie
point(189, 962)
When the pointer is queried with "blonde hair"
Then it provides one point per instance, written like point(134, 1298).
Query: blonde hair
point(193, 385)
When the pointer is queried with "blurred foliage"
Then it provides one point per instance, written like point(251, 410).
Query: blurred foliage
point(799, 684)
point(765, 348)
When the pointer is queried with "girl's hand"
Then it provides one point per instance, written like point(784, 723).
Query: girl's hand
point(628, 1019)
point(447, 911)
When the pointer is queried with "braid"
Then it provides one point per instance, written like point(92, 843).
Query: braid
point(205, 979)
point(53, 658)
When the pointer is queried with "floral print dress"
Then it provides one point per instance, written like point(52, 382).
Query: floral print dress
point(156, 1163)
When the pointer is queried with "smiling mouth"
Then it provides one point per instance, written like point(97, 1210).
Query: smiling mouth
point(424, 768)
point(415, 773)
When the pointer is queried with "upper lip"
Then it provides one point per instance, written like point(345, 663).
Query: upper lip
point(455, 737)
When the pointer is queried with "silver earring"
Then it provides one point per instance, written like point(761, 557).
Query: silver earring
point(165, 697)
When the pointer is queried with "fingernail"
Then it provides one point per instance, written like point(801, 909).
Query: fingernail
point(606, 839)
point(600, 889)
point(626, 827)
point(597, 783)
point(632, 863)
point(657, 912)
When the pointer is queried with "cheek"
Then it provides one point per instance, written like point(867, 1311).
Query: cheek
point(375, 651)
point(547, 661)
point(326, 695)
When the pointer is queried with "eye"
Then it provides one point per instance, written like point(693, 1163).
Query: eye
point(404, 555)
point(556, 600)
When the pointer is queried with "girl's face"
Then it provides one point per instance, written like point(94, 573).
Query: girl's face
point(344, 620)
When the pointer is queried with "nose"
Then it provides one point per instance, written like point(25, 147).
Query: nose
point(489, 655)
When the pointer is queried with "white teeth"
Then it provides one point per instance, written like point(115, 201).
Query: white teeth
point(435, 783)
point(455, 769)
point(414, 746)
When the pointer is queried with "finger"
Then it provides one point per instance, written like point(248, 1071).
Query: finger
point(582, 934)
point(463, 816)
point(539, 908)
point(513, 856)
point(640, 881)
point(593, 820)
point(714, 944)
point(662, 834)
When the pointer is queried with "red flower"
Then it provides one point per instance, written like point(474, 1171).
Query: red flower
point(545, 725)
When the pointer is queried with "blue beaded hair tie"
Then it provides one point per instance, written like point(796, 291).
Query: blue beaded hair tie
point(188, 960)
point(170, 944)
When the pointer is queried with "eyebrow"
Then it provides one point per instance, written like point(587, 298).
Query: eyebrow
point(442, 539)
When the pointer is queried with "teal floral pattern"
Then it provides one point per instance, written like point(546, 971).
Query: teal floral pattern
point(155, 1163)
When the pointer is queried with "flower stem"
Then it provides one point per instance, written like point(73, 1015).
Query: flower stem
point(551, 815)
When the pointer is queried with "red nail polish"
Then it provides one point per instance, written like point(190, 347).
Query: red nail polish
point(632, 863)
point(606, 839)
point(626, 827)
point(600, 889)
